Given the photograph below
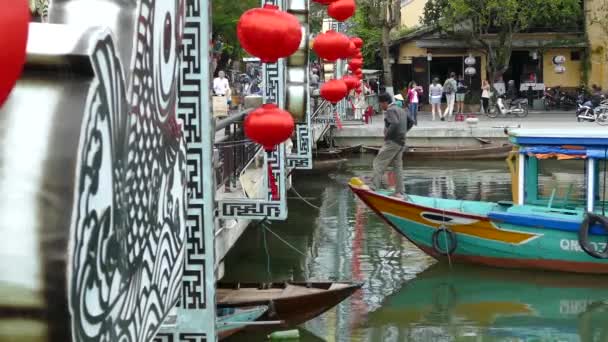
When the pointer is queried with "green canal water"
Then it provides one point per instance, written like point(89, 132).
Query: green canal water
point(406, 295)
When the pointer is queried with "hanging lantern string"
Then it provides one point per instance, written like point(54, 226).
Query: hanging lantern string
point(272, 181)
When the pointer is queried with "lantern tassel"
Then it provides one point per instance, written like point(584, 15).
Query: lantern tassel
point(272, 181)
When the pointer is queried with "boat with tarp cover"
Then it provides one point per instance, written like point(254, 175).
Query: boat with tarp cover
point(561, 228)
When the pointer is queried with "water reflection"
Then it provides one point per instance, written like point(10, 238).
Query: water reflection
point(344, 240)
point(443, 304)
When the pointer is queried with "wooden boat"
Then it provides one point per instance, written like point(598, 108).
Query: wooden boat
point(541, 306)
point(336, 152)
point(483, 151)
point(232, 320)
point(293, 303)
point(531, 231)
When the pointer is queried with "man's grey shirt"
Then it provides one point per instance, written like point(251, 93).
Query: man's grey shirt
point(396, 124)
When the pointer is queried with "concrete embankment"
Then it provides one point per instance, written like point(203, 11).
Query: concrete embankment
point(454, 134)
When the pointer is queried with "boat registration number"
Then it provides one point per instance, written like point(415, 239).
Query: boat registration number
point(574, 246)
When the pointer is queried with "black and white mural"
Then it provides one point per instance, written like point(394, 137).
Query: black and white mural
point(128, 221)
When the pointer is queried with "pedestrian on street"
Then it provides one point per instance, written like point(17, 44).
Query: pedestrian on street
point(314, 79)
point(360, 101)
point(413, 96)
point(485, 96)
point(221, 87)
point(396, 125)
point(461, 92)
point(435, 93)
point(399, 100)
point(449, 88)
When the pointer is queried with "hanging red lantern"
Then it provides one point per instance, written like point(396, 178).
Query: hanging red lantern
point(324, 2)
point(269, 126)
point(351, 82)
point(14, 24)
point(359, 74)
point(268, 33)
point(331, 45)
point(358, 42)
point(358, 55)
point(341, 9)
point(334, 91)
point(355, 63)
point(352, 50)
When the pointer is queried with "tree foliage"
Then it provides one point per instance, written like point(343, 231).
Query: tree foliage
point(491, 24)
point(371, 35)
point(225, 16)
point(381, 16)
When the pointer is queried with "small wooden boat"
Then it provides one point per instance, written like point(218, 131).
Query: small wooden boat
point(293, 303)
point(531, 231)
point(336, 152)
point(483, 151)
point(232, 320)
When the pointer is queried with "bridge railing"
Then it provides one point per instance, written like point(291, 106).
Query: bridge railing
point(233, 149)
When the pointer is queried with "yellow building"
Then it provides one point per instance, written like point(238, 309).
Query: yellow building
point(424, 54)
point(597, 34)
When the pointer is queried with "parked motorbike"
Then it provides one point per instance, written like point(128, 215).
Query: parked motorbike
point(504, 107)
point(551, 98)
point(595, 109)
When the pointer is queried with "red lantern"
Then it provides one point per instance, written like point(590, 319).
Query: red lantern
point(355, 63)
point(352, 50)
point(351, 82)
point(331, 45)
point(359, 74)
point(14, 24)
point(334, 91)
point(358, 55)
point(269, 126)
point(324, 2)
point(358, 42)
point(341, 9)
point(268, 33)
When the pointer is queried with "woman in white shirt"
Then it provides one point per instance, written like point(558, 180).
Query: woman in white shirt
point(435, 94)
point(485, 96)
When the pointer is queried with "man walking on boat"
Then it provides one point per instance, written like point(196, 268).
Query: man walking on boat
point(396, 124)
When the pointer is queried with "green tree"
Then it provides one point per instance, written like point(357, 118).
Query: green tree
point(491, 24)
point(225, 16)
point(371, 35)
point(379, 16)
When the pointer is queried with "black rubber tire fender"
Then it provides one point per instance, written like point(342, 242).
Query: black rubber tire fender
point(453, 241)
point(583, 235)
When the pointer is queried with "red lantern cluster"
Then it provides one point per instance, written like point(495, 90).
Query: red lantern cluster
point(334, 91)
point(14, 24)
point(351, 82)
point(268, 33)
point(269, 126)
point(332, 45)
point(341, 10)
